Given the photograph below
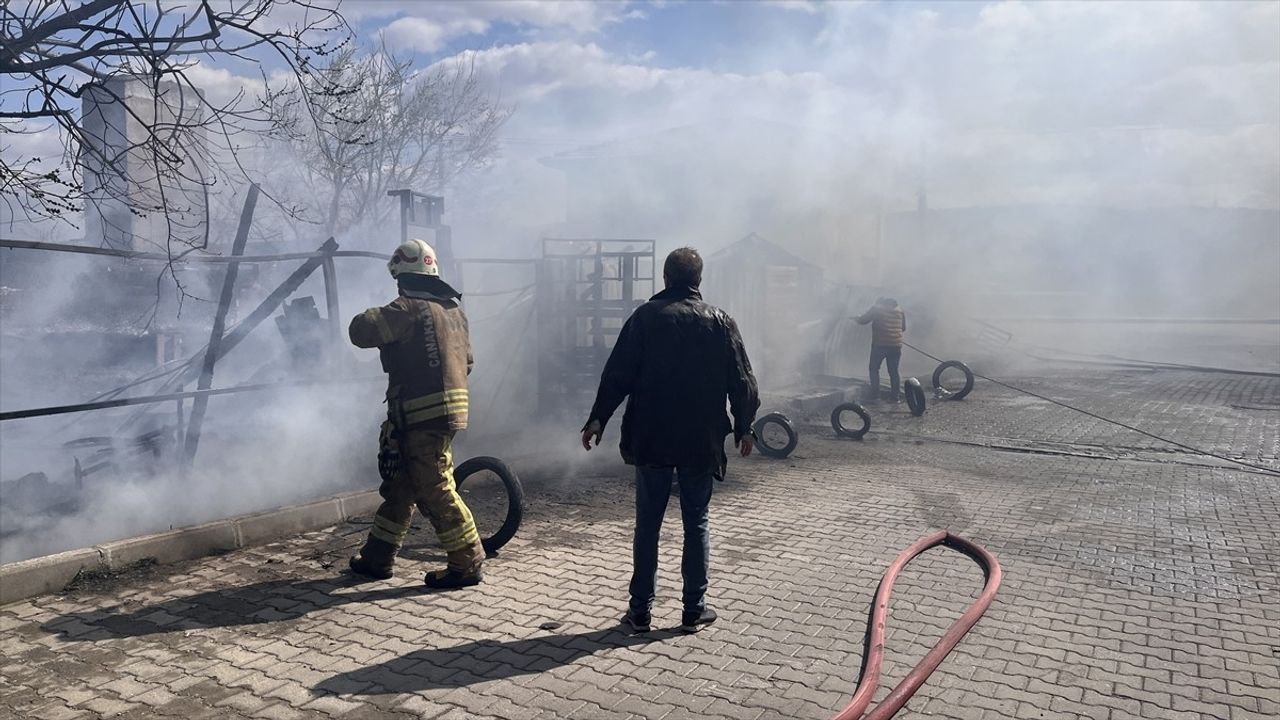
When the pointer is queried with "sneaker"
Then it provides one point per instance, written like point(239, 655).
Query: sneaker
point(637, 623)
point(449, 579)
point(693, 622)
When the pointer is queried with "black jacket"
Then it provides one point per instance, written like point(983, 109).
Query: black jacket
point(676, 360)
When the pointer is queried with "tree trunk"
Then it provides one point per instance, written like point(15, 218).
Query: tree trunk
point(334, 206)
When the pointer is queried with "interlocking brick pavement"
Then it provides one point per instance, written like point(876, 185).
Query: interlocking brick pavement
point(1235, 415)
point(1142, 587)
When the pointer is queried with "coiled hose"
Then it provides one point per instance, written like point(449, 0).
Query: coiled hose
point(869, 675)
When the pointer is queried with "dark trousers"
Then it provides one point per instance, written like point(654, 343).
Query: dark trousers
point(653, 487)
point(881, 353)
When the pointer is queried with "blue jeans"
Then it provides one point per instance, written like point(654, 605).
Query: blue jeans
point(891, 356)
point(653, 487)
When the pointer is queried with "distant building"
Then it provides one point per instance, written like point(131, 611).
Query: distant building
point(136, 202)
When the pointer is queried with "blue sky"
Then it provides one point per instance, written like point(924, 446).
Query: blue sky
point(719, 35)
point(990, 102)
point(985, 103)
point(712, 34)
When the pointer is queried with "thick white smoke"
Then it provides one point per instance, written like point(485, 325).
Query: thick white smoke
point(1006, 161)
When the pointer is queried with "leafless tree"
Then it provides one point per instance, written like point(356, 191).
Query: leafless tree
point(136, 59)
point(396, 128)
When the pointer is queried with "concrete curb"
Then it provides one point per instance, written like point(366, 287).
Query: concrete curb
point(52, 573)
point(821, 401)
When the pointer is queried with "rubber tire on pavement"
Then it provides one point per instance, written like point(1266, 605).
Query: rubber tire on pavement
point(915, 396)
point(515, 498)
point(775, 452)
point(968, 378)
point(839, 427)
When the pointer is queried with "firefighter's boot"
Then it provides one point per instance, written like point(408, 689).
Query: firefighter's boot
point(464, 568)
point(449, 579)
point(375, 559)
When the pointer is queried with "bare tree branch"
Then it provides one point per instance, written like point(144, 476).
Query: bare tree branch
point(17, 44)
point(65, 65)
point(373, 123)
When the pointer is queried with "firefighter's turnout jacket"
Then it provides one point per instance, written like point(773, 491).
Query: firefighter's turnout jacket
point(426, 353)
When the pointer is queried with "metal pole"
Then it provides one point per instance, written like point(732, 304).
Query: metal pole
point(201, 402)
point(405, 200)
point(331, 299)
point(180, 431)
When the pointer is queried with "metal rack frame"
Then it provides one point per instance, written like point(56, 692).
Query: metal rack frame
point(587, 288)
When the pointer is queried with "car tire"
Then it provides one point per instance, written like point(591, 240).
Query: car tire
point(785, 423)
point(915, 396)
point(968, 379)
point(846, 432)
point(515, 498)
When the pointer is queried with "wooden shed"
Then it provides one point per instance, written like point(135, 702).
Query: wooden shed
point(773, 295)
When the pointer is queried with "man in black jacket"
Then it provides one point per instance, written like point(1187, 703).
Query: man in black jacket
point(676, 360)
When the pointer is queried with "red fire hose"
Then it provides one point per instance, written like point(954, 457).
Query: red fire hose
point(869, 676)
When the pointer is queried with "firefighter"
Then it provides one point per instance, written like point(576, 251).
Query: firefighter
point(426, 352)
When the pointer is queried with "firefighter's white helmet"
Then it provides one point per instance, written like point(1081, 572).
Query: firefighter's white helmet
point(414, 257)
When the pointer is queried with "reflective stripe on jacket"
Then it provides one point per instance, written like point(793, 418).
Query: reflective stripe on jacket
point(426, 353)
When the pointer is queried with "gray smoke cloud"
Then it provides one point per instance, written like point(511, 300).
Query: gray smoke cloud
point(1005, 162)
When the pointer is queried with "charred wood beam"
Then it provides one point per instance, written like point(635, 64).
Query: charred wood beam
point(267, 306)
point(212, 351)
point(13, 244)
point(132, 255)
point(169, 397)
point(191, 371)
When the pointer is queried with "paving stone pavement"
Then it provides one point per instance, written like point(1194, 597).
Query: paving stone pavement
point(1142, 587)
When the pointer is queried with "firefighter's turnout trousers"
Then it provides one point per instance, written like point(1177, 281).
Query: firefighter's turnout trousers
point(425, 349)
point(425, 481)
